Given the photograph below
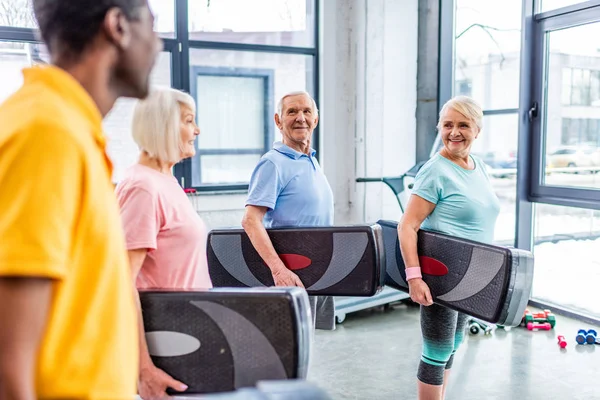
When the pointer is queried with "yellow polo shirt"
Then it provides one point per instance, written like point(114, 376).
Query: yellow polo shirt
point(59, 219)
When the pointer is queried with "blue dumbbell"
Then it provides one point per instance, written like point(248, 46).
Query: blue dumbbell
point(590, 338)
point(581, 337)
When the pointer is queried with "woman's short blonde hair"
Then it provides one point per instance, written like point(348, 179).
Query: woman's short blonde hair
point(157, 121)
point(468, 107)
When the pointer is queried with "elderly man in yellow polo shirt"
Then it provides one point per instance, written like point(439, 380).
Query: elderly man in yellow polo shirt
point(68, 327)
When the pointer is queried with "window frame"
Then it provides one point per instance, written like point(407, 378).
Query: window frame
point(539, 192)
point(267, 76)
point(180, 47)
point(183, 170)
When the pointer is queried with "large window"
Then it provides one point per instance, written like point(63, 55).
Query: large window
point(567, 259)
point(549, 5)
point(14, 56)
point(164, 17)
point(486, 68)
point(236, 57)
point(565, 149)
point(571, 134)
point(237, 92)
point(240, 64)
point(580, 87)
point(17, 14)
point(235, 124)
point(265, 22)
point(117, 125)
point(534, 67)
point(567, 132)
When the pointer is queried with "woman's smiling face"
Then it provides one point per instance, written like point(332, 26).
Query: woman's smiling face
point(458, 133)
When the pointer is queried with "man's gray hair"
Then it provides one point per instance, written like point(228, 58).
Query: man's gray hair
point(299, 92)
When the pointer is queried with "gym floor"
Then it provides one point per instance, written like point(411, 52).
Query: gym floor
point(373, 355)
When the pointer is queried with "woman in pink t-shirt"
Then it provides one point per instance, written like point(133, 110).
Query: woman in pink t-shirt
point(166, 239)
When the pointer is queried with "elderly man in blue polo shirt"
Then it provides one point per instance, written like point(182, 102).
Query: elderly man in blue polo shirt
point(288, 188)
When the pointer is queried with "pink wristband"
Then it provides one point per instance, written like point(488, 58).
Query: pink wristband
point(413, 272)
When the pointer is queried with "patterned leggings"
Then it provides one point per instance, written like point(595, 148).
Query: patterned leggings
point(443, 332)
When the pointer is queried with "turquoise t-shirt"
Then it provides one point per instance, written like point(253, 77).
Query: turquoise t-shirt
point(466, 205)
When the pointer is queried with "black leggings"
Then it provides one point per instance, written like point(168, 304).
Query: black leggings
point(443, 331)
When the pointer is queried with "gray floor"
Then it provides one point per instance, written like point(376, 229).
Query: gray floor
point(374, 355)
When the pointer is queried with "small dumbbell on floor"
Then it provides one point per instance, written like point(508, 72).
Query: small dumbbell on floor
point(589, 337)
point(544, 326)
point(562, 342)
point(544, 316)
point(476, 326)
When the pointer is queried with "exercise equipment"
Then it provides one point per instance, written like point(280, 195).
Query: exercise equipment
point(544, 326)
point(491, 283)
point(544, 316)
point(589, 337)
point(476, 326)
point(580, 338)
point(398, 184)
point(330, 261)
point(225, 339)
point(268, 390)
point(562, 342)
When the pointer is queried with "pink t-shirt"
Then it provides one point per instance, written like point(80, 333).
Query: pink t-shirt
point(158, 216)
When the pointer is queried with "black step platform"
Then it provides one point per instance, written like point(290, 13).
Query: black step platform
point(489, 282)
point(332, 261)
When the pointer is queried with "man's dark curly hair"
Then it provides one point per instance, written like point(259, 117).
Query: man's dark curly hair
point(72, 24)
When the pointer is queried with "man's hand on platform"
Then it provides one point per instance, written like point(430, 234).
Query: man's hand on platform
point(284, 277)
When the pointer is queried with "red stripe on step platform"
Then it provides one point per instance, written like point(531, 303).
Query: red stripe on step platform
point(295, 261)
point(431, 266)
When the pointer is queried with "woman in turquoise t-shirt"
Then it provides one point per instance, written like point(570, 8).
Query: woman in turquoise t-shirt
point(452, 194)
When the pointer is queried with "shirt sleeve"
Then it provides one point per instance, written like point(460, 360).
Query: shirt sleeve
point(140, 216)
point(427, 184)
point(265, 185)
point(41, 176)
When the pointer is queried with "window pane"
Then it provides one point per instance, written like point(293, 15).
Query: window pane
point(117, 125)
point(549, 5)
point(567, 260)
point(164, 17)
point(17, 13)
point(571, 123)
point(487, 59)
point(226, 103)
point(237, 93)
point(228, 168)
point(497, 146)
point(14, 57)
point(271, 22)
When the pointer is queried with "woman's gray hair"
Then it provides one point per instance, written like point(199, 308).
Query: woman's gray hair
point(156, 123)
point(466, 106)
point(296, 93)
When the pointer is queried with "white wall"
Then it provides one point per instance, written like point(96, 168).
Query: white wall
point(368, 101)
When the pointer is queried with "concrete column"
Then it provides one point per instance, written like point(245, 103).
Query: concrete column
point(368, 103)
point(427, 76)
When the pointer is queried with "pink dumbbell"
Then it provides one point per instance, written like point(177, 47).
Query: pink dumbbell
point(545, 326)
point(562, 342)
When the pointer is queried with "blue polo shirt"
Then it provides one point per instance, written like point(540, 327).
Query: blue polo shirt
point(293, 187)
